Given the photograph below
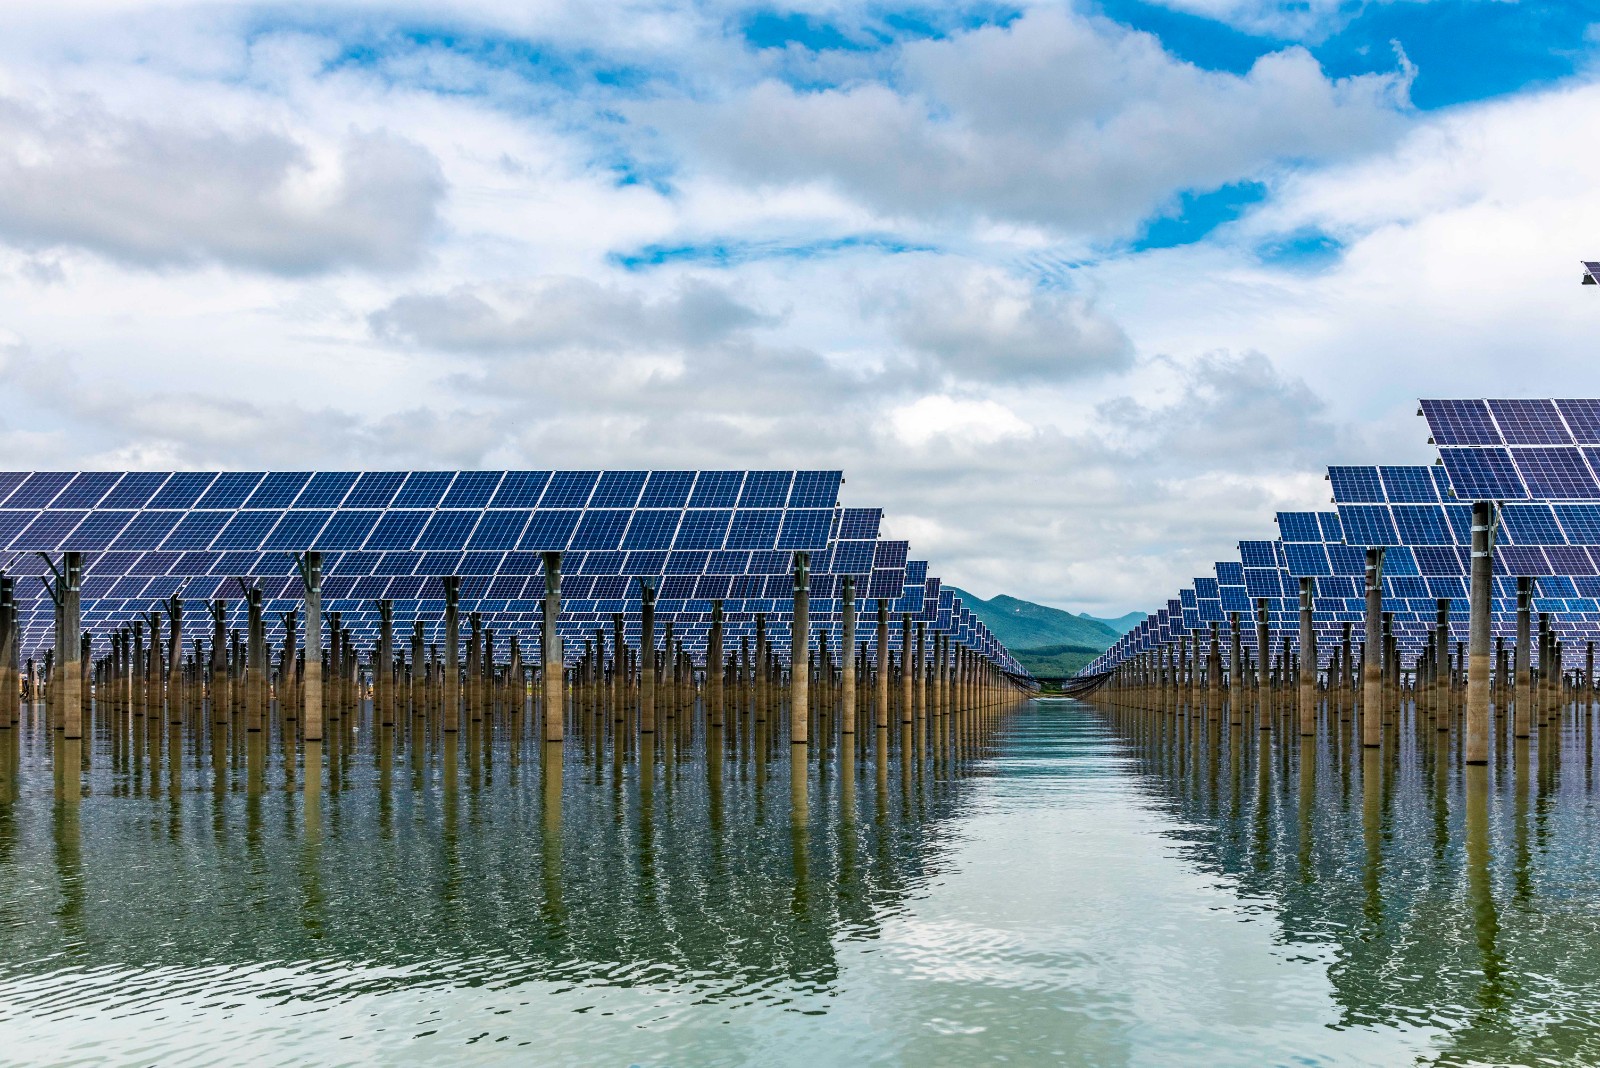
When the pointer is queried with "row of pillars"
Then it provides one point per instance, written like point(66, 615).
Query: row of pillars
point(141, 675)
point(1460, 686)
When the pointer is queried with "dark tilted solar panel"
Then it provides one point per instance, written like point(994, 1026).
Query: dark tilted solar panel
point(667, 489)
point(1408, 485)
point(1460, 422)
point(472, 489)
point(1529, 422)
point(1356, 485)
point(1482, 474)
point(1555, 474)
point(617, 489)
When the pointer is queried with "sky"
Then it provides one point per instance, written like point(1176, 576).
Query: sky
point(1080, 293)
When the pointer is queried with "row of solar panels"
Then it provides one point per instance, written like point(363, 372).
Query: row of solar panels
point(1422, 517)
point(379, 490)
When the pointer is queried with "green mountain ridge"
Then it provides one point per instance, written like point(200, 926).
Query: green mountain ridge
point(1047, 641)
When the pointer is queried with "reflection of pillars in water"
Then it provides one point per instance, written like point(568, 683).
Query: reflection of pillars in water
point(880, 756)
point(1522, 857)
point(69, 844)
point(1263, 797)
point(799, 836)
point(799, 802)
point(10, 747)
point(1372, 834)
point(386, 782)
point(1485, 920)
point(450, 815)
point(905, 764)
point(311, 854)
point(1306, 804)
point(1236, 767)
point(1440, 743)
point(554, 908)
point(256, 764)
point(175, 779)
point(647, 830)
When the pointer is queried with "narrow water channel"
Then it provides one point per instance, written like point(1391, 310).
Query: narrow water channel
point(1079, 890)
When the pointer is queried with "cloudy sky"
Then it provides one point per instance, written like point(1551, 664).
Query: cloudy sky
point(1081, 293)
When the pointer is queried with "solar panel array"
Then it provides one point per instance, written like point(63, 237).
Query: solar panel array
point(1540, 458)
point(693, 536)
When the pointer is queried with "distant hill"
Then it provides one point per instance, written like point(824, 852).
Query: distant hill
point(1024, 625)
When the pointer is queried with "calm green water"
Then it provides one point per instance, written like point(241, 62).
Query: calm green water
point(1080, 889)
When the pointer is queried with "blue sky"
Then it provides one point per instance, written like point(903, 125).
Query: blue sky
point(1081, 293)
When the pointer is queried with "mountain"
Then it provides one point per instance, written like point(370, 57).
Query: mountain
point(1122, 624)
point(1024, 625)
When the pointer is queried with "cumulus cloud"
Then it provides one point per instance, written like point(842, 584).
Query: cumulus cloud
point(1057, 120)
point(985, 324)
point(156, 192)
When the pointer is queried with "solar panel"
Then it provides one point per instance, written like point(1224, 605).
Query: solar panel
point(1460, 422)
point(87, 489)
point(1408, 485)
point(1482, 474)
point(1555, 474)
point(1529, 422)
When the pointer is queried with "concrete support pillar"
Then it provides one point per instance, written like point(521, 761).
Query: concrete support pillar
point(255, 661)
point(9, 683)
point(847, 654)
point(1308, 660)
point(920, 663)
point(450, 717)
point(714, 707)
point(1372, 662)
point(799, 663)
point(70, 585)
point(1441, 661)
point(311, 681)
point(383, 669)
point(550, 651)
point(880, 712)
point(647, 658)
point(906, 668)
point(219, 661)
point(1235, 671)
point(1263, 655)
point(1522, 725)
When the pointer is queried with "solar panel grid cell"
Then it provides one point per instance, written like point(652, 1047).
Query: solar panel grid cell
point(1482, 474)
point(1555, 474)
point(1529, 422)
point(279, 489)
point(1356, 485)
point(1582, 418)
point(1460, 422)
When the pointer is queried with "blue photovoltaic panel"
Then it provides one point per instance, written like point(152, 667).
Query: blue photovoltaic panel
point(549, 530)
point(805, 529)
point(423, 489)
point(1569, 560)
point(134, 490)
point(727, 563)
point(716, 489)
point(1421, 524)
point(448, 529)
point(279, 489)
point(1438, 560)
point(1529, 422)
point(602, 528)
point(501, 528)
point(229, 489)
point(245, 530)
point(97, 531)
point(1366, 524)
point(703, 528)
point(1581, 522)
point(667, 489)
point(616, 489)
point(1262, 582)
point(297, 531)
point(1555, 474)
point(1482, 474)
point(48, 529)
point(1299, 526)
point(1398, 560)
point(326, 489)
point(852, 557)
point(10, 480)
point(569, 489)
point(766, 489)
point(39, 489)
point(1230, 573)
point(754, 529)
point(520, 489)
point(1521, 560)
point(1258, 554)
point(87, 489)
point(1582, 418)
point(1531, 524)
point(890, 554)
point(1332, 529)
point(651, 529)
point(196, 530)
point(860, 523)
point(1306, 559)
point(1459, 516)
point(1408, 485)
point(472, 489)
point(1356, 485)
point(147, 530)
point(182, 490)
point(815, 489)
point(375, 489)
point(396, 530)
point(1460, 422)
point(348, 529)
